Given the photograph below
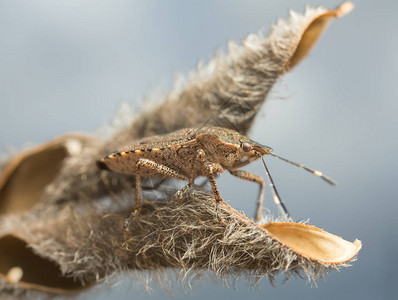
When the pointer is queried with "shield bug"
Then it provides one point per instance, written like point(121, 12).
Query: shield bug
point(188, 153)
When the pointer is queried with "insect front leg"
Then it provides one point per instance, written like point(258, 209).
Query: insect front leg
point(200, 154)
point(156, 168)
point(254, 178)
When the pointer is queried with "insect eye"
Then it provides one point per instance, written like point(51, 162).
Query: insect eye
point(246, 147)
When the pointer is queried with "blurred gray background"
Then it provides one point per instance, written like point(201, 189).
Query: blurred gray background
point(66, 66)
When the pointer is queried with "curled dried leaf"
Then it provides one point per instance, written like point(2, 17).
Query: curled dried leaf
point(314, 243)
point(315, 28)
point(25, 177)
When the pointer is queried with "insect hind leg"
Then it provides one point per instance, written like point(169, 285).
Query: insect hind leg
point(155, 168)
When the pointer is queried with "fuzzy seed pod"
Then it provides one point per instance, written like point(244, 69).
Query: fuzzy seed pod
point(61, 223)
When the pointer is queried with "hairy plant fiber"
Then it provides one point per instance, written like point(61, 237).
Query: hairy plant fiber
point(183, 234)
point(74, 228)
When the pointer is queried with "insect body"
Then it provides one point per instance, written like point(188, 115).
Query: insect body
point(192, 152)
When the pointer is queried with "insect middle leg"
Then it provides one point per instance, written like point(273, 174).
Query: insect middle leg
point(211, 170)
point(156, 168)
point(254, 178)
point(197, 162)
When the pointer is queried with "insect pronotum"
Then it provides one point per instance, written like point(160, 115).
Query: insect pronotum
point(188, 153)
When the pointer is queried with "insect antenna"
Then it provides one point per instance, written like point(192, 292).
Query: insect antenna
point(315, 172)
point(277, 199)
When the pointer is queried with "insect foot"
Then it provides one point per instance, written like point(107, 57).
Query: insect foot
point(180, 193)
point(192, 152)
point(132, 216)
point(221, 220)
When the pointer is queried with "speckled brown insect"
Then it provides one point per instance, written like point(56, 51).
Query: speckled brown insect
point(192, 152)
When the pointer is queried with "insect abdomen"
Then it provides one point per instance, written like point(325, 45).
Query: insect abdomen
point(125, 161)
point(102, 165)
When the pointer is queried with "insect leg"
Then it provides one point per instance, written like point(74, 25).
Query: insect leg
point(156, 168)
point(254, 178)
point(211, 170)
point(200, 154)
